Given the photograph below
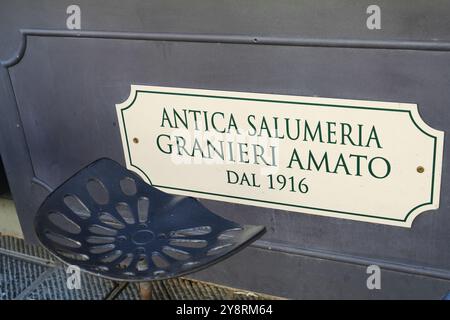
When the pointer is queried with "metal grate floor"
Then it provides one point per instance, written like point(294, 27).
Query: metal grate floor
point(31, 273)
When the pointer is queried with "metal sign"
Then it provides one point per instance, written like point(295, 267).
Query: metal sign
point(361, 160)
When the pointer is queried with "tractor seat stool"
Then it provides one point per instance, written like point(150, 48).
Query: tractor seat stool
point(107, 221)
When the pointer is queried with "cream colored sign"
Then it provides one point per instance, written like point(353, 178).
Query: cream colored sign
point(361, 160)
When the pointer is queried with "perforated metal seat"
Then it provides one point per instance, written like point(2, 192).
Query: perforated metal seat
point(108, 221)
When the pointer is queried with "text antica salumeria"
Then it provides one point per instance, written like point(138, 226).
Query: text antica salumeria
point(299, 130)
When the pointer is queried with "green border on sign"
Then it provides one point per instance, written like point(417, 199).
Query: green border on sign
point(284, 102)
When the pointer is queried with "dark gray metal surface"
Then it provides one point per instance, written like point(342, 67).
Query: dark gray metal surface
point(4, 188)
point(16, 275)
point(28, 272)
point(58, 111)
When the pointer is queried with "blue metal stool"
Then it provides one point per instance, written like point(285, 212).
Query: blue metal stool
point(109, 222)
